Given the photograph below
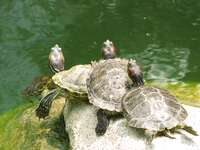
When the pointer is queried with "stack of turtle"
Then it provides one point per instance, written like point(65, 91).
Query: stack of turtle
point(116, 87)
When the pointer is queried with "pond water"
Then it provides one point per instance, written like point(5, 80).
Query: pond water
point(163, 36)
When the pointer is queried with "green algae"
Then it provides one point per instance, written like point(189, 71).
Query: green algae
point(187, 93)
point(10, 128)
point(20, 129)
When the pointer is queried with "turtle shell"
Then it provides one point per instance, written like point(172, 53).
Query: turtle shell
point(152, 108)
point(74, 79)
point(107, 83)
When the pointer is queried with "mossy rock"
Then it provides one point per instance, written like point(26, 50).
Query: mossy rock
point(20, 129)
point(187, 93)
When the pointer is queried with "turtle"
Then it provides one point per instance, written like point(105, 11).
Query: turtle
point(153, 109)
point(107, 83)
point(70, 83)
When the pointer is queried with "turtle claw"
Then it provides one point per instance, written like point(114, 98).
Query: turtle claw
point(100, 129)
point(42, 112)
point(139, 80)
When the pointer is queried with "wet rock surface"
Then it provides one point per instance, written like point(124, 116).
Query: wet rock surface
point(80, 121)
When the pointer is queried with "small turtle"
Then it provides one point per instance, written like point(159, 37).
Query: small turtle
point(71, 83)
point(56, 59)
point(107, 83)
point(153, 109)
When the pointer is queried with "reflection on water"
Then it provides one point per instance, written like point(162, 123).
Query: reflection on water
point(166, 64)
point(15, 73)
point(164, 36)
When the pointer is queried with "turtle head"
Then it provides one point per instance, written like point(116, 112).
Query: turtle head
point(135, 73)
point(56, 59)
point(108, 50)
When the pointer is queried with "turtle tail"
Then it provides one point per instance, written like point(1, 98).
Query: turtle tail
point(188, 129)
point(45, 103)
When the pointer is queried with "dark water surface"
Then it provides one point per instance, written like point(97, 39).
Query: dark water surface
point(164, 36)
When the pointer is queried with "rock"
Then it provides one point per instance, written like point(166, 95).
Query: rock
point(80, 121)
point(22, 130)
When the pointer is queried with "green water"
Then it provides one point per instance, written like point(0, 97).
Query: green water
point(163, 36)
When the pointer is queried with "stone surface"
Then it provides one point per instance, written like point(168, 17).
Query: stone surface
point(80, 120)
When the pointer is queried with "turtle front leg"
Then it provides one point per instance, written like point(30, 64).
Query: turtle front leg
point(45, 103)
point(103, 122)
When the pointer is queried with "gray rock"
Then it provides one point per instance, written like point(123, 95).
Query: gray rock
point(80, 120)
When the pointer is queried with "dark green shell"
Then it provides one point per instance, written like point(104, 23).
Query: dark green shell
point(152, 108)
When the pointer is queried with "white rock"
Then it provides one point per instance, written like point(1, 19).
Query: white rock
point(80, 119)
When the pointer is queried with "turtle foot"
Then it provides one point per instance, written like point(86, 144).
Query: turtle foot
point(42, 112)
point(102, 124)
point(45, 104)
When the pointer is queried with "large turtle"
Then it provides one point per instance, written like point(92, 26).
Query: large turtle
point(107, 83)
point(153, 109)
point(69, 82)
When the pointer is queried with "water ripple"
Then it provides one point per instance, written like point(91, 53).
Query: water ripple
point(159, 63)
